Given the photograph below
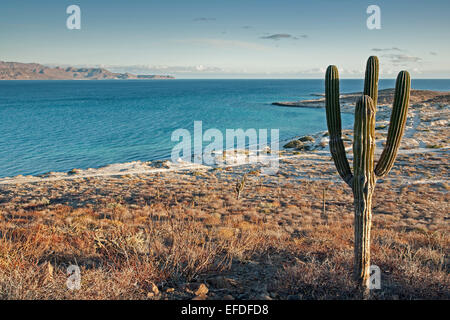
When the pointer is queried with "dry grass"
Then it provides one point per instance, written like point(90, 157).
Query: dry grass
point(119, 258)
point(177, 230)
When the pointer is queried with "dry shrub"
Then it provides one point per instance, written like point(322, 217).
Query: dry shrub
point(118, 259)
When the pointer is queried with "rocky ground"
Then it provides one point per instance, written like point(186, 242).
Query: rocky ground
point(427, 124)
point(154, 231)
point(385, 98)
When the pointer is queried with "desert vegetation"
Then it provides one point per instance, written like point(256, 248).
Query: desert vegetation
point(186, 235)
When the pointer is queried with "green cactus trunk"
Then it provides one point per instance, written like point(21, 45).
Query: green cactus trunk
point(363, 179)
point(363, 184)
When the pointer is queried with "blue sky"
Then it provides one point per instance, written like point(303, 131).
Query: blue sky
point(230, 39)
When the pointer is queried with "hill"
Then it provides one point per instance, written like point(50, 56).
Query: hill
point(35, 71)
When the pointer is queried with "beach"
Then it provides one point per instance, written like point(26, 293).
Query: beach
point(181, 227)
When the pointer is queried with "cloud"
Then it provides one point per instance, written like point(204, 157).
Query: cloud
point(398, 59)
point(198, 68)
point(401, 59)
point(387, 49)
point(433, 53)
point(279, 36)
point(165, 69)
point(204, 19)
point(312, 71)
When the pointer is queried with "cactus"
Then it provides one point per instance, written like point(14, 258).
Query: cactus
point(333, 111)
point(365, 172)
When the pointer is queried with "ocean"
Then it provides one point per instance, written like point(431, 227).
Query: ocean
point(59, 125)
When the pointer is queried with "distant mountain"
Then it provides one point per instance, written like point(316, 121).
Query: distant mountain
point(35, 71)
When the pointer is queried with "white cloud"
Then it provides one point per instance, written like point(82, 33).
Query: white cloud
point(165, 69)
point(387, 49)
point(401, 59)
point(279, 36)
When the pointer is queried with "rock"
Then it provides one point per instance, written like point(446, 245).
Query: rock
point(161, 164)
point(267, 150)
point(243, 296)
point(169, 290)
point(73, 171)
point(294, 144)
point(256, 172)
point(154, 288)
point(202, 290)
point(434, 146)
point(264, 296)
point(222, 282)
point(49, 275)
point(196, 288)
point(307, 139)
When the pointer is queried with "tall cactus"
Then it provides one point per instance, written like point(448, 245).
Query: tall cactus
point(365, 173)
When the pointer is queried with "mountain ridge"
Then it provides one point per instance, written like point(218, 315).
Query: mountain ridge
point(36, 71)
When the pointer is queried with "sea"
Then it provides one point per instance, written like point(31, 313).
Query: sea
point(60, 125)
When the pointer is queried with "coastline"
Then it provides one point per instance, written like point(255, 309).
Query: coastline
point(429, 110)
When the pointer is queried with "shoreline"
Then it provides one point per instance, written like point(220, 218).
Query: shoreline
point(429, 111)
point(166, 166)
point(385, 99)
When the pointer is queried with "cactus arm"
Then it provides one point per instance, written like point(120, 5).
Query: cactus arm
point(371, 79)
point(397, 124)
point(333, 112)
point(363, 184)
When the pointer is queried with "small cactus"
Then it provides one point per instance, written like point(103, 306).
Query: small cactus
point(365, 173)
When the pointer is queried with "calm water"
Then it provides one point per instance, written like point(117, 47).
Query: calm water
point(60, 125)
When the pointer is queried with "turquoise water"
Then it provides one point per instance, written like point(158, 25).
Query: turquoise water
point(59, 125)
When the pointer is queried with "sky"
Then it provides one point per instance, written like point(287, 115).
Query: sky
point(231, 39)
